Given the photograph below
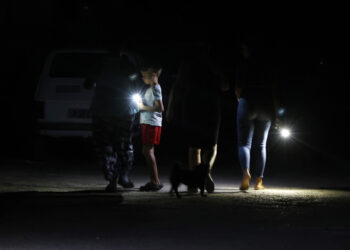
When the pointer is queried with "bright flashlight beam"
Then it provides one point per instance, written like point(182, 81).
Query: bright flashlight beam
point(136, 98)
point(285, 133)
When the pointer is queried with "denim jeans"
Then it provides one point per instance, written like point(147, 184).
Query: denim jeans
point(253, 125)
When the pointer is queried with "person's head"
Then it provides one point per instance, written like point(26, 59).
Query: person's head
point(129, 61)
point(150, 75)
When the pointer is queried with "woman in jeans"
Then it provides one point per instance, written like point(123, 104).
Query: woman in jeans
point(257, 105)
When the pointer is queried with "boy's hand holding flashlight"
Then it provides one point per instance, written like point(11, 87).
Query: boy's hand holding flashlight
point(138, 101)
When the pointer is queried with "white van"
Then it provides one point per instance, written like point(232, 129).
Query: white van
point(63, 101)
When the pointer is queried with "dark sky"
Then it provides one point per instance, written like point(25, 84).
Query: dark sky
point(311, 40)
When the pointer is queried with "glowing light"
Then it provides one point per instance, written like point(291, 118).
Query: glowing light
point(285, 133)
point(281, 111)
point(136, 98)
point(133, 77)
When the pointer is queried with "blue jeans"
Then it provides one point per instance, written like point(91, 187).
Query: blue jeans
point(253, 125)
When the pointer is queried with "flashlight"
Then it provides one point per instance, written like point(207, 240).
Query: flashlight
point(285, 133)
point(136, 98)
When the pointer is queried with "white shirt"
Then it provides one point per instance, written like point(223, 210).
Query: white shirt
point(153, 118)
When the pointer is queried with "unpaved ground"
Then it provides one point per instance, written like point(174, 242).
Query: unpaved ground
point(56, 207)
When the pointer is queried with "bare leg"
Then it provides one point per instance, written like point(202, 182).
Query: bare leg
point(148, 152)
point(209, 156)
point(194, 157)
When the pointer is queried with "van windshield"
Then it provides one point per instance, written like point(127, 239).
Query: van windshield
point(74, 65)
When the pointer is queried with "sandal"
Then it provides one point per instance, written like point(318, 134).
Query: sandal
point(151, 187)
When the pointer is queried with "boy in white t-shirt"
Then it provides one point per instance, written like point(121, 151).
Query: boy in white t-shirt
point(151, 109)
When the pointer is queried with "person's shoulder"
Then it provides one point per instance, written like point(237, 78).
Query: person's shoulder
point(157, 90)
point(157, 86)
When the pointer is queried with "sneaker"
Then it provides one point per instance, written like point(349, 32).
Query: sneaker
point(209, 184)
point(151, 187)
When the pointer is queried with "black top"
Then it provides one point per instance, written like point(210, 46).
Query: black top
point(257, 78)
point(114, 88)
point(196, 100)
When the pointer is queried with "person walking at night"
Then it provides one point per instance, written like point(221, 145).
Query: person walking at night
point(194, 105)
point(113, 116)
point(151, 108)
point(256, 92)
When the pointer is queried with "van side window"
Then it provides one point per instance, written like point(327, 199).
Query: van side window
point(73, 65)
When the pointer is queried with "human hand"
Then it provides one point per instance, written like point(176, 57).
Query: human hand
point(277, 123)
point(140, 106)
point(224, 84)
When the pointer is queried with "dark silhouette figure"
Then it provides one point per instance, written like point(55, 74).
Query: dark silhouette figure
point(113, 115)
point(194, 105)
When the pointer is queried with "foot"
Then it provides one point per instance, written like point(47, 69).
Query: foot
point(259, 184)
point(209, 184)
point(151, 187)
point(245, 182)
point(111, 187)
point(125, 182)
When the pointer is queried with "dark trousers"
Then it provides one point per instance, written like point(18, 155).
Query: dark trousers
point(113, 143)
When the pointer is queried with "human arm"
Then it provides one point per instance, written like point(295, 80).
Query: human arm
point(224, 82)
point(169, 114)
point(276, 96)
point(158, 107)
point(157, 103)
point(176, 92)
point(238, 84)
point(276, 104)
point(238, 92)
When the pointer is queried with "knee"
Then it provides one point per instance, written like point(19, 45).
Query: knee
point(194, 151)
point(147, 150)
point(259, 145)
point(244, 144)
point(244, 141)
point(215, 149)
point(212, 151)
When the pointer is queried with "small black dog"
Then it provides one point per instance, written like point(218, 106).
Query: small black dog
point(192, 178)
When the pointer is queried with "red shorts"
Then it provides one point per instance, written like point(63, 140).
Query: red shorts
point(151, 134)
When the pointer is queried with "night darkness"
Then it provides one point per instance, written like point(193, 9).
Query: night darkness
point(311, 47)
point(310, 43)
